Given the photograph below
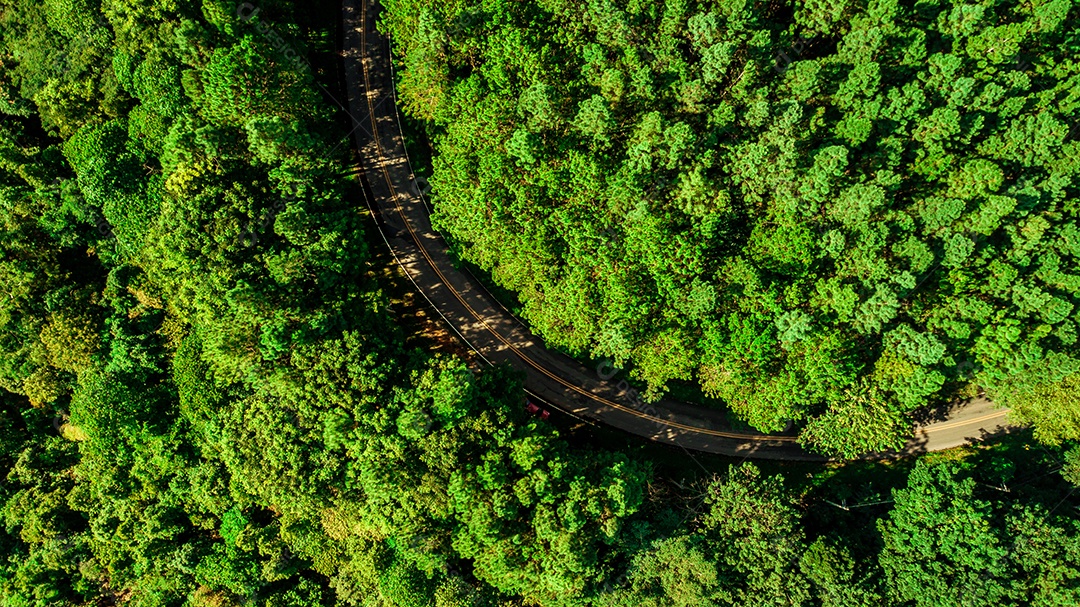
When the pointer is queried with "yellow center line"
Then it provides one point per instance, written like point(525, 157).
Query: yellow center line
point(963, 422)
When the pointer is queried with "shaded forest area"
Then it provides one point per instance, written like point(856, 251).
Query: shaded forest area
point(832, 212)
point(207, 399)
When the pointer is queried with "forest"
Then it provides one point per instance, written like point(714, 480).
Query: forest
point(814, 212)
point(211, 394)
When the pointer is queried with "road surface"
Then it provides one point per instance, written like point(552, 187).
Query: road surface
point(496, 336)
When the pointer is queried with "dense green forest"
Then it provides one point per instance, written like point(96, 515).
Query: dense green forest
point(207, 396)
point(817, 211)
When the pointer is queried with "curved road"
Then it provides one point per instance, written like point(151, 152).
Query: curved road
point(497, 337)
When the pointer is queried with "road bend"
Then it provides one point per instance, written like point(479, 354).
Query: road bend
point(478, 319)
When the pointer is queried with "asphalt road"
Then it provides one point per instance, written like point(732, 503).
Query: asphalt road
point(496, 336)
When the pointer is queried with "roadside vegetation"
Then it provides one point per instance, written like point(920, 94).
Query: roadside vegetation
point(831, 212)
point(206, 396)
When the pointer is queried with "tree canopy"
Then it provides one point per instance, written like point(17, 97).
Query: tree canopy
point(818, 212)
point(210, 396)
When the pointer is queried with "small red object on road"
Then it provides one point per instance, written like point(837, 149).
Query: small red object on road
point(532, 409)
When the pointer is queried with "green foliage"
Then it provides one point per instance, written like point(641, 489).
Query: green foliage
point(867, 424)
point(890, 185)
point(207, 399)
point(835, 578)
point(1071, 469)
point(943, 545)
point(940, 546)
point(1047, 396)
point(113, 182)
